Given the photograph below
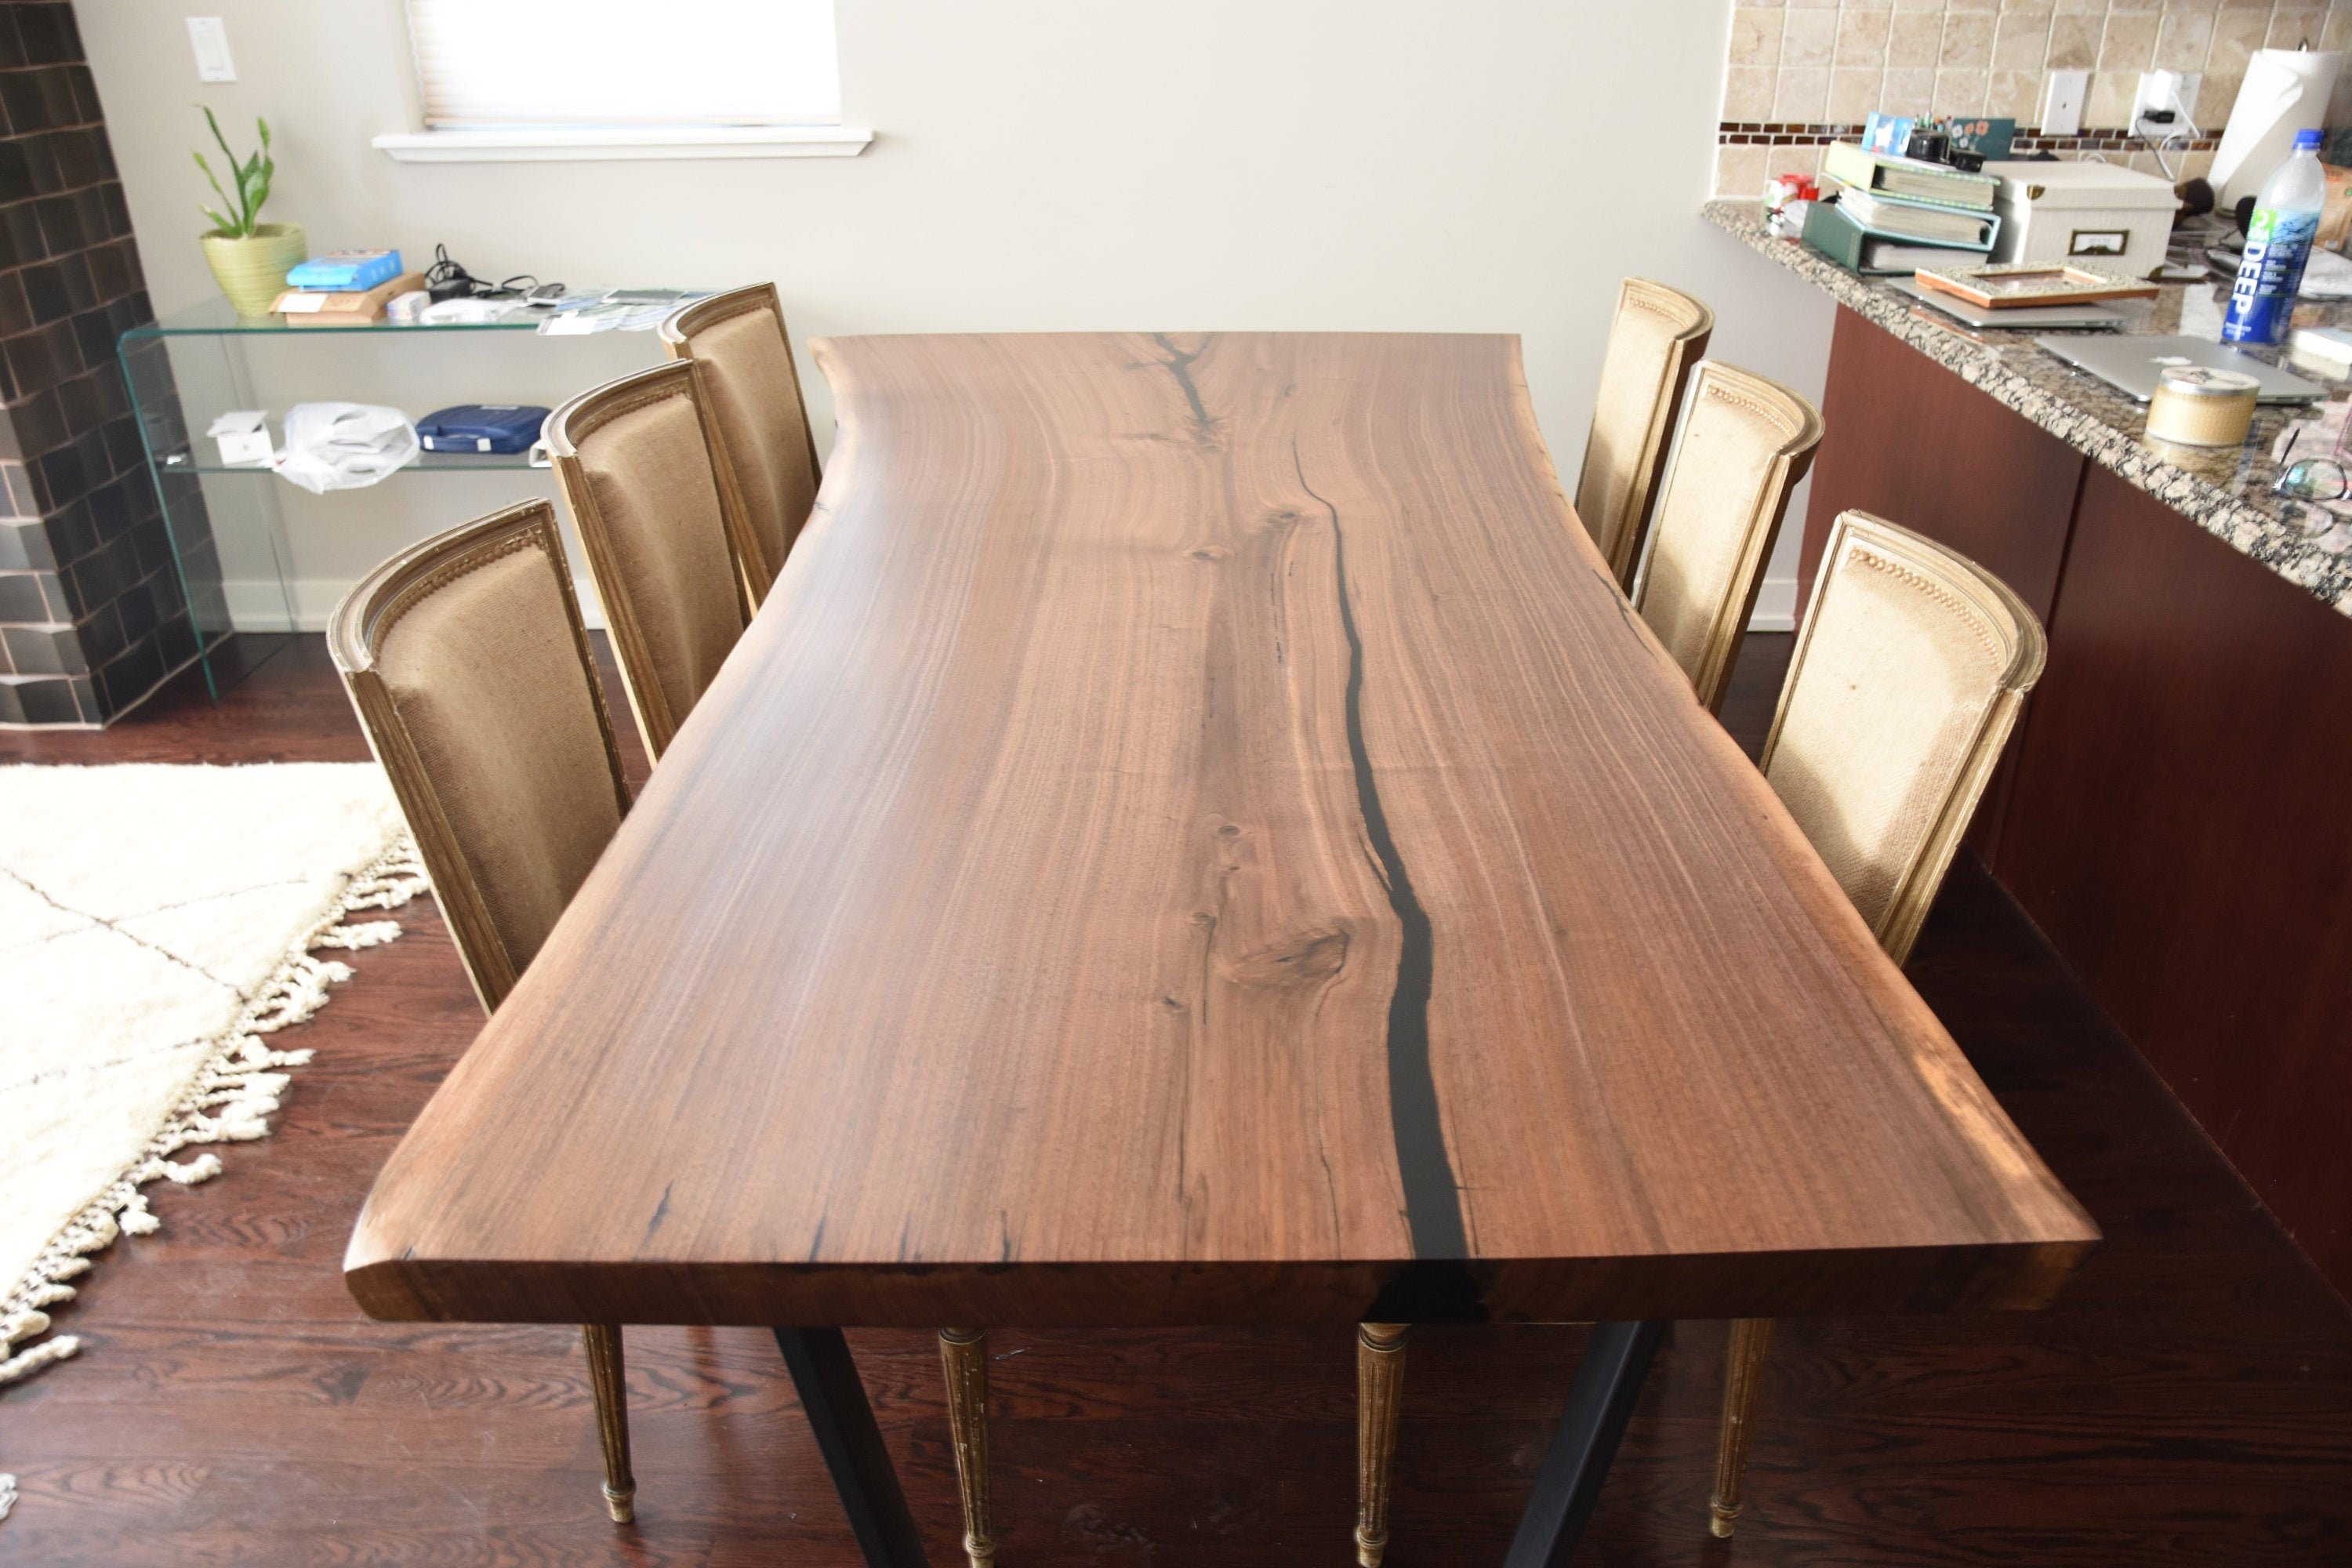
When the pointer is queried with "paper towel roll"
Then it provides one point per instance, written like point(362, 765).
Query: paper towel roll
point(2285, 91)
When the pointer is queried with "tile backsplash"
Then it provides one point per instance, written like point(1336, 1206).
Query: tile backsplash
point(1804, 73)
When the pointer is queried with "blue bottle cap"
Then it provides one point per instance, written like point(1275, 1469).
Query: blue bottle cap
point(2306, 141)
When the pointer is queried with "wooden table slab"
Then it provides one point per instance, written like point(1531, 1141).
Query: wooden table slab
point(1195, 835)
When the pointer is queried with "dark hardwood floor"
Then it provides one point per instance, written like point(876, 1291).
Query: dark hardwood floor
point(2189, 1400)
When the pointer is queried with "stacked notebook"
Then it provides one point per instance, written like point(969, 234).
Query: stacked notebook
point(1898, 214)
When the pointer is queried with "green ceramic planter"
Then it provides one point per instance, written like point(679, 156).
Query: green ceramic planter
point(252, 271)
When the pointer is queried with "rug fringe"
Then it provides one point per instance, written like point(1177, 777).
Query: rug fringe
point(229, 1100)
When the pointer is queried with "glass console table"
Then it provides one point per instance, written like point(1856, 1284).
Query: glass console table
point(255, 554)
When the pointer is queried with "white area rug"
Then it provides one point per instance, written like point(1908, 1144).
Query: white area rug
point(156, 924)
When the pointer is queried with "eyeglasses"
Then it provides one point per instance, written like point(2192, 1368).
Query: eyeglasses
point(2313, 480)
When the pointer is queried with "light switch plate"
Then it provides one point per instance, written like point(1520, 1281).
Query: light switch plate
point(2061, 108)
point(210, 39)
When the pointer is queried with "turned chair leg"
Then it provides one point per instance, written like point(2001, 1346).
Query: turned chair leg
point(1380, 1390)
point(605, 1377)
point(1751, 1340)
point(963, 1354)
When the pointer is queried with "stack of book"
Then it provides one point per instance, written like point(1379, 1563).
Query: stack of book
point(1898, 214)
point(343, 308)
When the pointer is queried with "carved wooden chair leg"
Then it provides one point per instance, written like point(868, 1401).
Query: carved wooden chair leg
point(1751, 1340)
point(1380, 1390)
point(963, 1354)
point(605, 1377)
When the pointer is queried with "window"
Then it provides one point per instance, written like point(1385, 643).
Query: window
point(509, 63)
point(506, 80)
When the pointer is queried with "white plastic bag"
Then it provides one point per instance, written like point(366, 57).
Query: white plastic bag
point(344, 445)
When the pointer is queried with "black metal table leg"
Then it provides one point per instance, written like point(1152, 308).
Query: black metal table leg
point(1601, 1402)
point(834, 1401)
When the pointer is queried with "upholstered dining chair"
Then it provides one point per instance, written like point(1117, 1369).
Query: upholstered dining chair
point(645, 472)
point(1905, 682)
point(466, 659)
point(1745, 442)
point(746, 354)
point(1655, 337)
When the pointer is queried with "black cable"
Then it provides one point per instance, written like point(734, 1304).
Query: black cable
point(448, 280)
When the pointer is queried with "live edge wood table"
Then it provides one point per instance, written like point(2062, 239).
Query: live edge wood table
point(1195, 835)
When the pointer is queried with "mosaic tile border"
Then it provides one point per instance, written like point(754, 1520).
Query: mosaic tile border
point(1749, 133)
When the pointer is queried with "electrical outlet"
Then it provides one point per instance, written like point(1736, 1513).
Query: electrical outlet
point(209, 37)
point(2161, 91)
point(2061, 108)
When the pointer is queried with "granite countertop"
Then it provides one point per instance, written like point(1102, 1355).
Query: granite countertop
point(2224, 490)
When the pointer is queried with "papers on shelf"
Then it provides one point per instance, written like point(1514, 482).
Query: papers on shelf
point(595, 313)
point(464, 312)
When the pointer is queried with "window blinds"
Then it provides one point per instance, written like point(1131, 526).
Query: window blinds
point(625, 62)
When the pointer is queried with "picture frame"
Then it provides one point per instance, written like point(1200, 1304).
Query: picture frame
point(2014, 285)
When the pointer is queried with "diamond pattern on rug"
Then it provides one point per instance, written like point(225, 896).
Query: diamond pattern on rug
point(157, 922)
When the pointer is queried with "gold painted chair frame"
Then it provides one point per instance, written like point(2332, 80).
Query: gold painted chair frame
point(1859, 539)
point(576, 421)
point(1616, 505)
point(678, 332)
point(356, 638)
point(1711, 663)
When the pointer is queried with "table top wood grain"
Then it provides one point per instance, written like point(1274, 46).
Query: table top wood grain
point(1195, 835)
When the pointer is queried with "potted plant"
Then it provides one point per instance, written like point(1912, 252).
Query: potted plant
point(249, 258)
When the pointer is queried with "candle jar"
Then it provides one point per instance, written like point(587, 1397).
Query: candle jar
point(2196, 406)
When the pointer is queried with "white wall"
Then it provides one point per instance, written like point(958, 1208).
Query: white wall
point(1439, 165)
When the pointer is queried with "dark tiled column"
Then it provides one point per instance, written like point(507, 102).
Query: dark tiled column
point(91, 615)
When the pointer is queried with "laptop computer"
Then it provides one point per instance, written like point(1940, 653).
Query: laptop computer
point(2130, 364)
point(2020, 318)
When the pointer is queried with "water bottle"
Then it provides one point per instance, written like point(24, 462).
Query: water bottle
point(2278, 244)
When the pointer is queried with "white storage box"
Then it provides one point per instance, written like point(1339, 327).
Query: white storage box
point(243, 438)
point(2097, 214)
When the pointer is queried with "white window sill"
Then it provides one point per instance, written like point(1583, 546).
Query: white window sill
point(533, 144)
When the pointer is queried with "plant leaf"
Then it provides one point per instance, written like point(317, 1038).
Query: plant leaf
point(229, 229)
point(222, 227)
point(226, 152)
point(252, 174)
point(267, 168)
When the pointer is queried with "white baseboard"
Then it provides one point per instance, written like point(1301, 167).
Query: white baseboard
point(1776, 606)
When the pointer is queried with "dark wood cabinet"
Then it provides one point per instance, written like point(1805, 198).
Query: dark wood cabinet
point(2176, 812)
point(1909, 440)
point(2180, 828)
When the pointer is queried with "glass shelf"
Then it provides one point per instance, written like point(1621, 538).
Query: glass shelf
point(257, 555)
point(180, 462)
point(217, 318)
